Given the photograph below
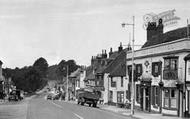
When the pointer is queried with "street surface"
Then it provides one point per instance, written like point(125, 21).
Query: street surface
point(39, 108)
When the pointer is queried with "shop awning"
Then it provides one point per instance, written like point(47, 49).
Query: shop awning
point(146, 77)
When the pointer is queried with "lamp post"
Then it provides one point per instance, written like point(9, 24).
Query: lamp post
point(132, 81)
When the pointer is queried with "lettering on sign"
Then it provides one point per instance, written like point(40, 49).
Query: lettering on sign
point(168, 18)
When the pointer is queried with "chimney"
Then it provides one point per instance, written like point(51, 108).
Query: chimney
point(111, 52)
point(120, 48)
point(106, 54)
point(151, 30)
point(160, 27)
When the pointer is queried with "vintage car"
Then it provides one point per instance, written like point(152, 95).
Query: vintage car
point(88, 96)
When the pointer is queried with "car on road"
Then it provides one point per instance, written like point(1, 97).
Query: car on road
point(88, 96)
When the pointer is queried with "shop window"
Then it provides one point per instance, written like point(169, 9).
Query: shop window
point(155, 96)
point(120, 97)
point(170, 100)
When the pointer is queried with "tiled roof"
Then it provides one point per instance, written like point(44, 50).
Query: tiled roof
point(117, 67)
point(167, 37)
point(89, 73)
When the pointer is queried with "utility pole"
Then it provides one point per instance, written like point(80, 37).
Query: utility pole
point(132, 80)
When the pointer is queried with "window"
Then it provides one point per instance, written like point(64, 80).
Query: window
point(120, 97)
point(113, 83)
point(128, 92)
point(129, 72)
point(138, 70)
point(121, 81)
point(188, 68)
point(155, 96)
point(170, 68)
point(170, 100)
point(156, 68)
point(138, 93)
point(111, 96)
point(170, 63)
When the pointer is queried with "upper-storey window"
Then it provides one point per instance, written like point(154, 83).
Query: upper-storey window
point(156, 68)
point(170, 68)
point(170, 63)
point(138, 70)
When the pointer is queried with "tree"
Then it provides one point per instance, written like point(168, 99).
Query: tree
point(41, 66)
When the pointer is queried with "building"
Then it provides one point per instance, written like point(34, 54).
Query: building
point(159, 71)
point(187, 86)
point(115, 82)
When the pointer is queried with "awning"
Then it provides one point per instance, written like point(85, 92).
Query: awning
point(146, 77)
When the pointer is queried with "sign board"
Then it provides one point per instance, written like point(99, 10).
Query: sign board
point(168, 17)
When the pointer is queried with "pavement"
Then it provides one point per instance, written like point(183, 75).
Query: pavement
point(137, 113)
point(37, 107)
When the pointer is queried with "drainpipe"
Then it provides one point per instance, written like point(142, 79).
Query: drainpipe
point(184, 89)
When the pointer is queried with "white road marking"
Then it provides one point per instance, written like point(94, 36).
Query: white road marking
point(78, 116)
point(57, 105)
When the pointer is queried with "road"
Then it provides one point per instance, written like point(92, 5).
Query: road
point(39, 108)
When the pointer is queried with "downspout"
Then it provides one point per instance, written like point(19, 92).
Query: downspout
point(184, 89)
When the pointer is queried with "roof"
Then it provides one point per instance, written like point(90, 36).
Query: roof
point(117, 67)
point(89, 73)
point(167, 37)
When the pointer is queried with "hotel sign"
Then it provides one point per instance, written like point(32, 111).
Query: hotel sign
point(168, 18)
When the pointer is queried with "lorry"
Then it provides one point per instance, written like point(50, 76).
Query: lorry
point(88, 96)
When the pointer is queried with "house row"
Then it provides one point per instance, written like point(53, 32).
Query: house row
point(161, 73)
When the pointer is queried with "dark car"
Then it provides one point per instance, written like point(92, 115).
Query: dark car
point(50, 97)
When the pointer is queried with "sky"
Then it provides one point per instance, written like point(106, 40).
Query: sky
point(74, 29)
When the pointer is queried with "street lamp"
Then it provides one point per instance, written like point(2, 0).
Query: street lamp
point(132, 81)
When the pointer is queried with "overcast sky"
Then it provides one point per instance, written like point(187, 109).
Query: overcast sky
point(73, 29)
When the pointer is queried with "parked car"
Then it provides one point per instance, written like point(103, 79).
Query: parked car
point(50, 96)
point(87, 96)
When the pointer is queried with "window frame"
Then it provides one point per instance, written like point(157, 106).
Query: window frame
point(170, 98)
point(122, 81)
point(120, 98)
